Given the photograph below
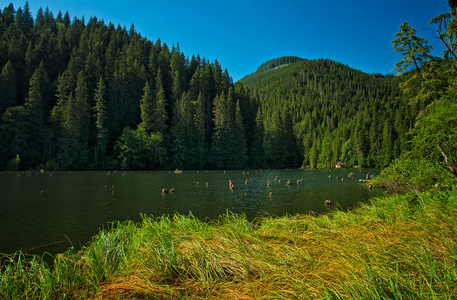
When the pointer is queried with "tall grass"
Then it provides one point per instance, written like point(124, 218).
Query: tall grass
point(394, 247)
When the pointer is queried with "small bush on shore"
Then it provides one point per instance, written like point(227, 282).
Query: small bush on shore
point(405, 174)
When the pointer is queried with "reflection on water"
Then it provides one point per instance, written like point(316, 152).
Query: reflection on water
point(53, 211)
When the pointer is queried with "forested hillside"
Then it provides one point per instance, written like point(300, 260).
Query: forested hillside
point(78, 94)
point(339, 115)
point(85, 95)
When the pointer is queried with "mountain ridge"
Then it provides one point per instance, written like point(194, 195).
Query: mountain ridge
point(339, 114)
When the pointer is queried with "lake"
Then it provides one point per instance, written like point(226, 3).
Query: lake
point(50, 212)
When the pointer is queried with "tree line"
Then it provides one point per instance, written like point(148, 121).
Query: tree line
point(83, 95)
point(340, 116)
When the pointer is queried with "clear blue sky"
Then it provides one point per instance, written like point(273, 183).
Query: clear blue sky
point(242, 35)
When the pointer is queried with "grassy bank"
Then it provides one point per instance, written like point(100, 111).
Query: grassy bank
point(397, 247)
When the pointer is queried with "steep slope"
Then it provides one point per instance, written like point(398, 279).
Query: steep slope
point(268, 68)
point(339, 114)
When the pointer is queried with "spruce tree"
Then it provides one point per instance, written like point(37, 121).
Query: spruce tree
point(288, 141)
point(257, 149)
point(160, 117)
point(36, 127)
point(7, 87)
point(100, 115)
point(200, 146)
point(415, 50)
point(223, 133)
point(181, 134)
point(147, 108)
point(239, 148)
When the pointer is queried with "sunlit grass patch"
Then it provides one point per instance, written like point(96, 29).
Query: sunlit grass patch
point(400, 246)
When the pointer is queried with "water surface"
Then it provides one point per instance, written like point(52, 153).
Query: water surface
point(50, 212)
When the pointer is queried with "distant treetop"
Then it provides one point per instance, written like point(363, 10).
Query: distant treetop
point(274, 63)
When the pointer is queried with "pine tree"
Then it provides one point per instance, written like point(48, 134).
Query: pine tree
point(82, 106)
point(387, 143)
point(326, 154)
point(223, 133)
point(239, 148)
point(160, 117)
point(100, 115)
point(7, 87)
point(36, 119)
point(415, 50)
point(208, 91)
point(40, 21)
point(8, 15)
point(27, 19)
point(19, 20)
point(45, 90)
point(179, 76)
point(274, 150)
point(200, 149)
point(181, 134)
point(73, 135)
point(257, 149)
point(290, 151)
point(147, 108)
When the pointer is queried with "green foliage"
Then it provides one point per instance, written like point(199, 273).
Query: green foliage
point(394, 247)
point(55, 70)
point(14, 164)
point(435, 136)
point(339, 114)
point(275, 63)
point(411, 174)
point(138, 149)
point(7, 87)
point(415, 50)
point(147, 107)
point(296, 112)
point(100, 120)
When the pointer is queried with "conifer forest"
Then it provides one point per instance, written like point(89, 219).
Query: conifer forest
point(79, 94)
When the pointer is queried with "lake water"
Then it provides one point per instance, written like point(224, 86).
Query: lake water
point(50, 212)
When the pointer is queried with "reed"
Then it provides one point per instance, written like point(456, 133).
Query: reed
point(395, 247)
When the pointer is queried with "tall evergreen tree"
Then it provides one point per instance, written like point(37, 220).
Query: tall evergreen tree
point(40, 21)
point(147, 108)
point(290, 152)
point(181, 134)
point(387, 143)
point(415, 50)
point(257, 149)
point(200, 149)
point(223, 133)
point(239, 147)
point(27, 19)
point(160, 117)
point(7, 87)
point(73, 137)
point(100, 115)
point(179, 76)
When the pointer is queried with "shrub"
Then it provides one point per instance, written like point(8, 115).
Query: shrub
point(411, 174)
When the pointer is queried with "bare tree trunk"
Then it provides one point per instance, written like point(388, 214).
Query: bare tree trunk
point(451, 168)
point(447, 46)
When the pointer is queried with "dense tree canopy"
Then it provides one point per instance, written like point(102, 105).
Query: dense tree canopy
point(89, 95)
point(85, 95)
point(320, 113)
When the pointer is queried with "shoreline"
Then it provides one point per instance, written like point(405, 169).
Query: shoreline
point(377, 250)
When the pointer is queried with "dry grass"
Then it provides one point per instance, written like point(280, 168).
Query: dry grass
point(392, 248)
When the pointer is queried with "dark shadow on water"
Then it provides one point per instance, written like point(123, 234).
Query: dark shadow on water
point(40, 212)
